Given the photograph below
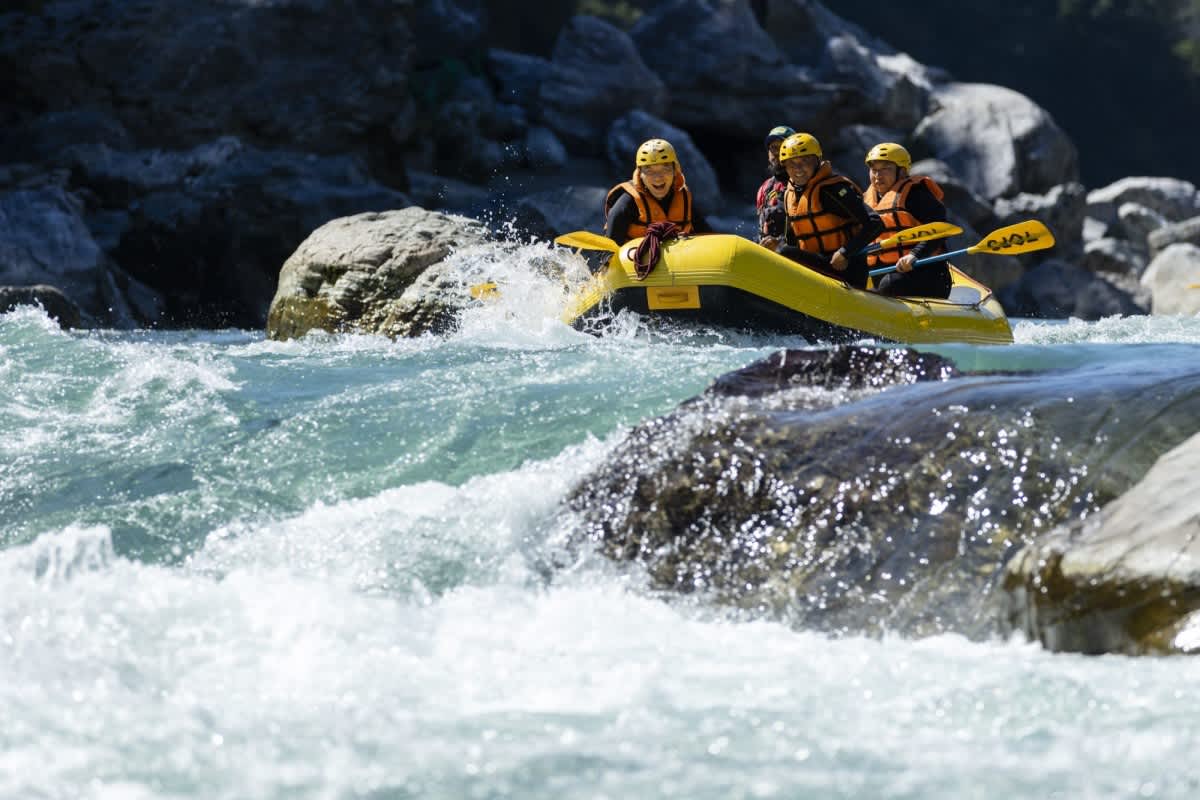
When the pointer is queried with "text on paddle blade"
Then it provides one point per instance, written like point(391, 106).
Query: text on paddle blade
point(1012, 240)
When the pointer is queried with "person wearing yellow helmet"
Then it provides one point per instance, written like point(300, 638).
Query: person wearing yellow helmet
point(657, 192)
point(828, 224)
point(769, 200)
point(905, 201)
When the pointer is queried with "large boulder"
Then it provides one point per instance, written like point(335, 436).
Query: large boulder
point(1173, 278)
point(849, 147)
point(895, 85)
point(802, 29)
point(352, 273)
point(792, 487)
point(1125, 580)
point(45, 137)
point(999, 141)
point(1174, 198)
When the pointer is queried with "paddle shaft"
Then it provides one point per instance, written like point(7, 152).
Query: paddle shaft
point(922, 261)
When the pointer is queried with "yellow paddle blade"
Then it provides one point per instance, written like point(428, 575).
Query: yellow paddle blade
point(1023, 237)
point(921, 233)
point(484, 291)
point(586, 240)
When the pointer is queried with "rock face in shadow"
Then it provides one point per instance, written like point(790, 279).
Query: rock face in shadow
point(724, 73)
point(56, 305)
point(1124, 580)
point(870, 491)
point(371, 273)
point(200, 141)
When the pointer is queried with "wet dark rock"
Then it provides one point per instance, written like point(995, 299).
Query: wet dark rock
point(840, 368)
point(1055, 289)
point(871, 491)
point(56, 304)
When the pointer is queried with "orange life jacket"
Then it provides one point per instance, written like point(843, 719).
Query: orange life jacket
point(817, 230)
point(649, 209)
point(893, 210)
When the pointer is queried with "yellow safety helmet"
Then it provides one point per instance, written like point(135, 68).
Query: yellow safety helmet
point(656, 151)
point(799, 144)
point(890, 151)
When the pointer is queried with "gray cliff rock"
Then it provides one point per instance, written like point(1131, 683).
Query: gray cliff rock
point(1124, 580)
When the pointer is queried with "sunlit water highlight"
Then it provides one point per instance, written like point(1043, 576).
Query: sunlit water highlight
point(235, 568)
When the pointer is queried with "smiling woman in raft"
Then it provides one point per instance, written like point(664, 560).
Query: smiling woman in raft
point(657, 192)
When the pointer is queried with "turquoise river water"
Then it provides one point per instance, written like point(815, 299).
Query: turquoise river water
point(238, 568)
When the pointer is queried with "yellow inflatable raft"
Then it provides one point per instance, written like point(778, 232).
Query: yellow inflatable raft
point(726, 280)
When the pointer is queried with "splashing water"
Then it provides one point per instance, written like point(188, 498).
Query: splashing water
point(331, 568)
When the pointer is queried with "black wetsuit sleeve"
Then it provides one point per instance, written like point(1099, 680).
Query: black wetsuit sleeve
point(925, 206)
point(623, 213)
point(850, 205)
point(789, 234)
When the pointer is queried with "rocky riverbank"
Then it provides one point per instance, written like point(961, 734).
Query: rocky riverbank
point(163, 160)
